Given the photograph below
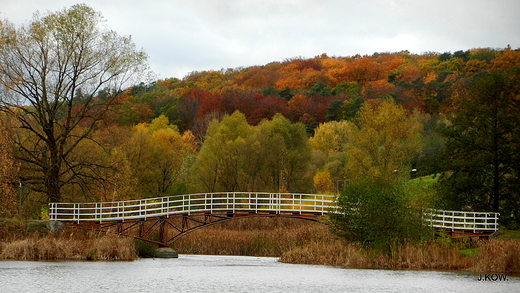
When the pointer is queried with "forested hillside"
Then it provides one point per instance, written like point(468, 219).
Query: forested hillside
point(313, 91)
point(339, 103)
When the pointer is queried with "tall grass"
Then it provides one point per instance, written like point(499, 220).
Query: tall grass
point(252, 236)
point(293, 240)
point(407, 256)
point(428, 256)
point(498, 256)
point(70, 247)
point(494, 256)
point(296, 241)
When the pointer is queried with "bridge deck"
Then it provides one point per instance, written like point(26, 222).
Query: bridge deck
point(306, 206)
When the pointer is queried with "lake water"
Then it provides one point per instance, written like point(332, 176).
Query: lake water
point(202, 273)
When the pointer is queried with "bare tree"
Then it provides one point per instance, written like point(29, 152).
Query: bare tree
point(51, 70)
point(8, 172)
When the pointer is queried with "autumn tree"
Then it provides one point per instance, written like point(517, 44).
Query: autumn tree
point(364, 70)
point(482, 153)
point(323, 183)
point(114, 146)
point(386, 141)
point(329, 145)
point(297, 106)
point(160, 157)
point(285, 152)
point(44, 65)
point(219, 164)
point(236, 156)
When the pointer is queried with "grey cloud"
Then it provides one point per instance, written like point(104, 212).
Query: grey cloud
point(181, 36)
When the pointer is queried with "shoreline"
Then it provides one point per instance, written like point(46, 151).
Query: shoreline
point(463, 271)
point(292, 242)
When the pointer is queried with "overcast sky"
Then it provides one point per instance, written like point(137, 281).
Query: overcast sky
point(188, 35)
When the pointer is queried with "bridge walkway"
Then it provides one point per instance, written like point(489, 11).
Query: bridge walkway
point(175, 216)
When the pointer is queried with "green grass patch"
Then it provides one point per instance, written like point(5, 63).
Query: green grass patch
point(470, 252)
point(510, 234)
point(426, 181)
point(421, 192)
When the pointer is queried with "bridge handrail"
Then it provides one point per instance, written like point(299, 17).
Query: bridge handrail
point(462, 220)
point(258, 202)
point(191, 203)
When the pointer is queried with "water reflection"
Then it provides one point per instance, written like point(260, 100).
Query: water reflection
point(196, 273)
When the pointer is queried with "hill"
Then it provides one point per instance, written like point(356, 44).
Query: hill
point(312, 91)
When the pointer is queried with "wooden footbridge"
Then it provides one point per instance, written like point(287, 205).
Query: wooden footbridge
point(163, 220)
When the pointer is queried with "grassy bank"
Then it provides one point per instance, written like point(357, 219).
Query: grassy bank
point(294, 241)
point(496, 256)
point(300, 242)
point(106, 247)
point(32, 241)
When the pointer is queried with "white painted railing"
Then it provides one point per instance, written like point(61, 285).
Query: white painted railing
point(458, 220)
point(277, 203)
point(255, 202)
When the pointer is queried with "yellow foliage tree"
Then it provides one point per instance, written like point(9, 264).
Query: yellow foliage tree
point(119, 183)
point(331, 137)
point(159, 156)
point(329, 143)
point(218, 166)
point(385, 142)
point(323, 182)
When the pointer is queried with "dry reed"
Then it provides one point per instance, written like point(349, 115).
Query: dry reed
point(498, 256)
point(70, 247)
point(495, 256)
point(293, 240)
point(300, 242)
point(340, 253)
point(334, 253)
point(428, 256)
point(252, 236)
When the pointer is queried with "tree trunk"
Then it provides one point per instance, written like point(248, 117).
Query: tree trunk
point(496, 188)
point(52, 184)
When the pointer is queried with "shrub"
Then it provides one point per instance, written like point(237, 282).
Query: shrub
point(377, 214)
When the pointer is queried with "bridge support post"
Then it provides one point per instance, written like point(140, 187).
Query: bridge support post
point(163, 231)
point(165, 251)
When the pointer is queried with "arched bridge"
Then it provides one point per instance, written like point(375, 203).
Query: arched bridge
point(175, 216)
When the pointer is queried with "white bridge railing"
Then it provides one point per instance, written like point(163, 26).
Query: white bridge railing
point(458, 220)
point(255, 202)
point(278, 203)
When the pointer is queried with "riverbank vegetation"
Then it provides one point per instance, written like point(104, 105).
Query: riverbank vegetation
point(300, 242)
point(293, 240)
point(107, 247)
point(34, 241)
